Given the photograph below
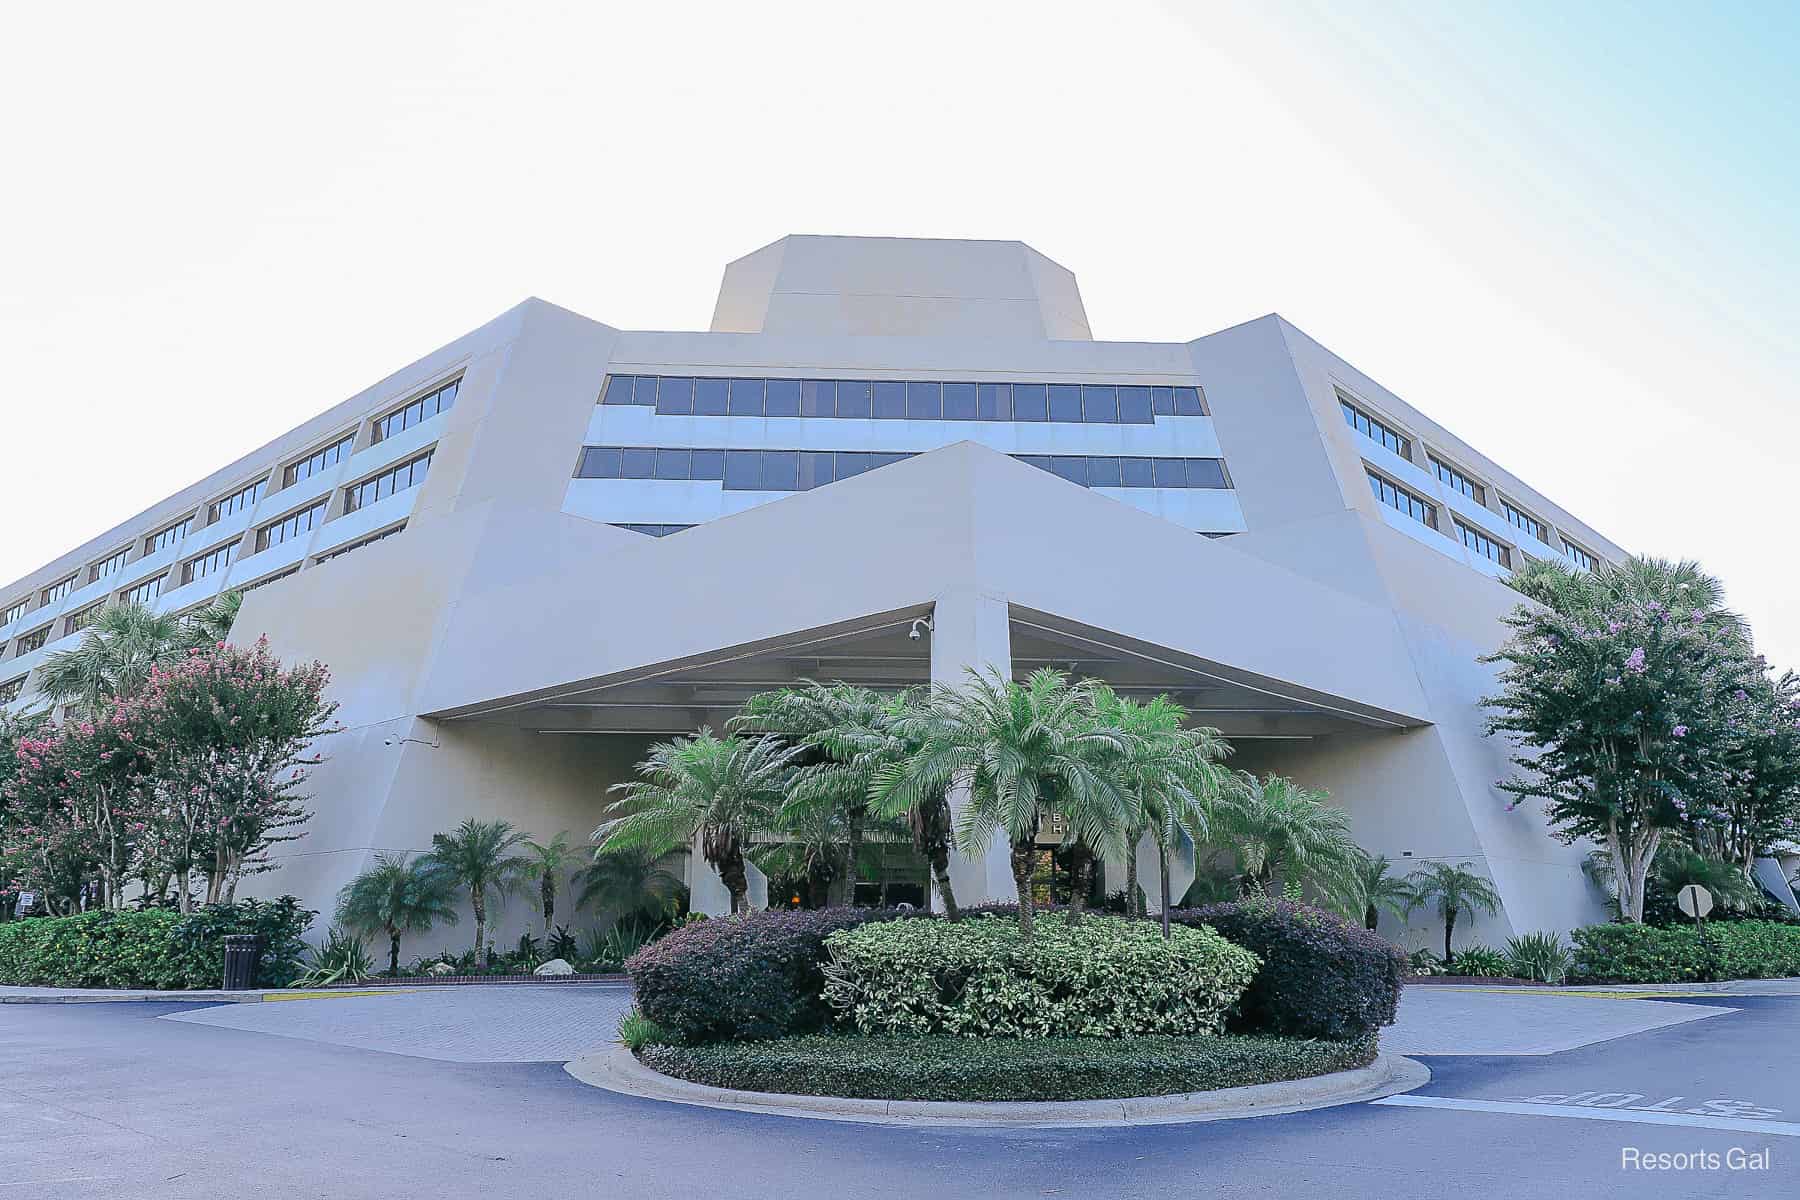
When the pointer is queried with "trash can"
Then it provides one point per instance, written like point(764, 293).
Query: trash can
point(243, 954)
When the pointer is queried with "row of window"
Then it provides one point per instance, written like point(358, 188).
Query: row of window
point(409, 474)
point(146, 591)
point(245, 497)
point(653, 530)
point(291, 526)
point(1397, 497)
point(416, 411)
point(107, 566)
point(361, 542)
point(213, 561)
point(12, 689)
point(912, 400)
point(1372, 427)
point(802, 470)
point(15, 611)
point(322, 460)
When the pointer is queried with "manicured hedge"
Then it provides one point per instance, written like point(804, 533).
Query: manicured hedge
point(151, 949)
point(750, 976)
point(968, 1069)
point(978, 977)
point(1321, 976)
point(1675, 953)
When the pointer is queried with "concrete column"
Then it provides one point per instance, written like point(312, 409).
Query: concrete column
point(707, 892)
point(971, 630)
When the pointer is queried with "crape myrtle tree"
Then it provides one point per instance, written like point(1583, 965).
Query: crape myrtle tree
point(78, 805)
point(227, 736)
point(1760, 804)
point(1619, 710)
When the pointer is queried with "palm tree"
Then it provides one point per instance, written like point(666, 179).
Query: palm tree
point(1024, 752)
point(1377, 890)
point(126, 642)
point(478, 856)
point(1282, 830)
point(1173, 777)
point(1452, 889)
point(848, 735)
point(396, 897)
point(626, 883)
point(1678, 865)
point(548, 862)
point(721, 790)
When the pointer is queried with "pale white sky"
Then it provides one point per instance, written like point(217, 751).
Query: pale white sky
point(1568, 239)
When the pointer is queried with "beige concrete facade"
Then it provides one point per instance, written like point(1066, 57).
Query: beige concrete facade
point(514, 649)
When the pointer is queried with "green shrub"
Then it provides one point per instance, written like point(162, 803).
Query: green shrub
point(1424, 962)
point(637, 1031)
point(978, 977)
point(1676, 954)
point(750, 976)
point(340, 958)
point(968, 1069)
point(1540, 957)
point(1321, 976)
point(155, 948)
point(1479, 962)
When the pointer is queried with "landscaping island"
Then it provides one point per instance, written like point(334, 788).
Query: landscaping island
point(901, 1005)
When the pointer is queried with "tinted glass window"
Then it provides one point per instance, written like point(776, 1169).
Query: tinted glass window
point(855, 398)
point(1040, 461)
point(706, 464)
point(645, 392)
point(743, 469)
point(599, 462)
point(818, 398)
point(1187, 402)
point(710, 397)
point(1065, 402)
point(1071, 468)
point(1205, 473)
point(994, 402)
point(924, 402)
point(959, 402)
point(672, 464)
point(1171, 472)
point(890, 400)
point(639, 463)
point(1099, 404)
point(1162, 401)
point(815, 469)
point(675, 396)
point(781, 470)
point(1103, 472)
point(746, 398)
point(852, 462)
point(1134, 406)
point(618, 389)
point(1030, 402)
point(1135, 472)
point(783, 399)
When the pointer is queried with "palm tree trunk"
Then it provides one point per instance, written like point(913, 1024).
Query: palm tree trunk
point(547, 892)
point(1081, 879)
point(478, 902)
point(1162, 869)
point(1132, 907)
point(1371, 918)
point(393, 952)
point(1024, 855)
point(1449, 927)
point(736, 881)
point(853, 838)
point(940, 875)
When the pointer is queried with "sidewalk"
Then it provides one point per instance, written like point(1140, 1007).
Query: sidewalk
point(50, 995)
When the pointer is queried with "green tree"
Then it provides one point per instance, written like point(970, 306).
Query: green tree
point(1282, 831)
point(1023, 752)
point(723, 791)
point(1452, 889)
point(548, 863)
point(479, 856)
point(628, 884)
point(1621, 718)
point(846, 734)
point(397, 897)
point(1377, 890)
point(122, 648)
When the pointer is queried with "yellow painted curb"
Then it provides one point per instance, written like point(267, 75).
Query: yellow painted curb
point(1586, 995)
point(335, 994)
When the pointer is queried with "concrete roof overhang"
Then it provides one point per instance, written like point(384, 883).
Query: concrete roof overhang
point(663, 635)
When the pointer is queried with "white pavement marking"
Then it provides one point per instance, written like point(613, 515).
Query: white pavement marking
point(1573, 1112)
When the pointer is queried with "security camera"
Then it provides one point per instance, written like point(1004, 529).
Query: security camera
point(913, 633)
point(387, 741)
point(918, 623)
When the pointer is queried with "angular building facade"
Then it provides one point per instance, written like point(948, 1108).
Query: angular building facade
point(535, 551)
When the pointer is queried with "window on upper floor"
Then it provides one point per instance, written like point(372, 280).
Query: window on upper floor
point(1525, 521)
point(1484, 545)
point(108, 565)
point(165, 538)
point(12, 689)
point(58, 590)
point(32, 641)
point(216, 559)
point(1457, 480)
point(438, 400)
point(291, 526)
point(1581, 557)
point(268, 579)
point(1375, 429)
point(909, 400)
point(14, 611)
point(81, 620)
point(237, 502)
point(359, 543)
point(319, 460)
point(144, 592)
point(409, 474)
point(1397, 497)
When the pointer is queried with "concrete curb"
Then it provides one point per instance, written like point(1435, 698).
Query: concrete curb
point(142, 998)
point(617, 1070)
